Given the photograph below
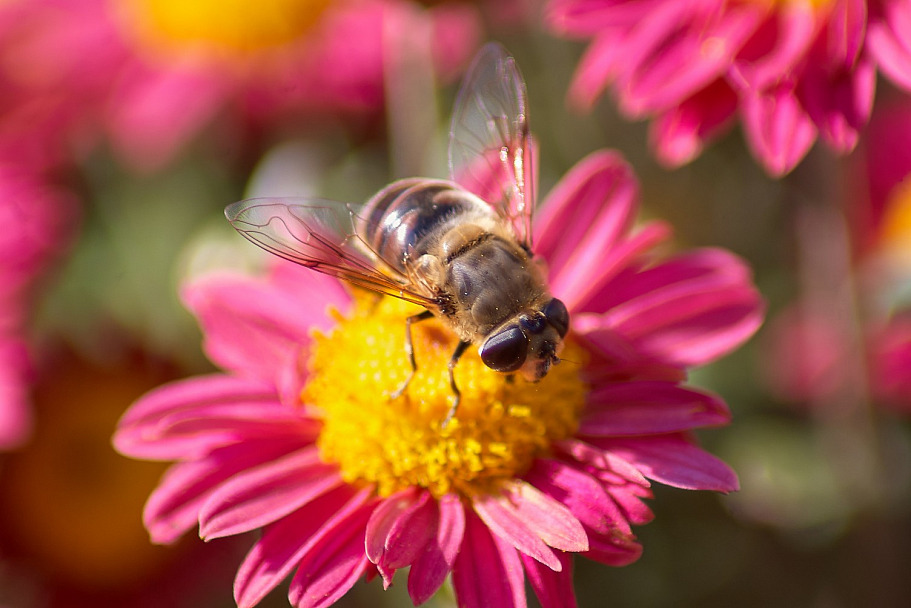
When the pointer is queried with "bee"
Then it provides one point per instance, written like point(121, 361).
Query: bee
point(461, 248)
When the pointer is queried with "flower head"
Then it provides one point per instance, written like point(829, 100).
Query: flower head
point(151, 75)
point(301, 435)
point(791, 71)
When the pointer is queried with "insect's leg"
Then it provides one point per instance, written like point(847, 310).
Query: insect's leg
point(456, 355)
point(409, 349)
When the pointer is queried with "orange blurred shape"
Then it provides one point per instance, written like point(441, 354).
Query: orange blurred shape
point(70, 505)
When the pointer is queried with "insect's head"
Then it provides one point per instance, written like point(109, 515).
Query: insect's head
point(528, 343)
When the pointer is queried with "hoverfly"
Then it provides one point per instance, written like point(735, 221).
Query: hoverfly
point(460, 248)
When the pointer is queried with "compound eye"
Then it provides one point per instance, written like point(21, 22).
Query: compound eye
point(505, 351)
point(557, 316)
point(534, 323)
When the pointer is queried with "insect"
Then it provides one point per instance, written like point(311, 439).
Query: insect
point(461, 248)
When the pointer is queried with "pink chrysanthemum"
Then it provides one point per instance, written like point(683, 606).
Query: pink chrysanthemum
point(788, 70)
point(151, 74)
point(300, 436)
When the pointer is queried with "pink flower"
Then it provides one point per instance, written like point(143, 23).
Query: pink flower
point(346, 481)
point(151, 75)
point(788, 70)
point(38, 220)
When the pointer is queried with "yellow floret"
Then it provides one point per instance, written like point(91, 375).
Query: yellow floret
point(502, 424)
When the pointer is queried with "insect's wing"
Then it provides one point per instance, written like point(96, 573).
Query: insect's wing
point(318, 234)
point(489, 144)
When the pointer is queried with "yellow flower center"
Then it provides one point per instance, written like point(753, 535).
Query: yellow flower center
point(501, 426)
point(227, 26)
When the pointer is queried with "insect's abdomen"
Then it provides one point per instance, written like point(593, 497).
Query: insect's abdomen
point(402, 218)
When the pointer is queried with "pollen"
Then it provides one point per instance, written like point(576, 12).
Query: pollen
point(502, 424)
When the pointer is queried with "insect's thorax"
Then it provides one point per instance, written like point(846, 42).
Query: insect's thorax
point(453, 245)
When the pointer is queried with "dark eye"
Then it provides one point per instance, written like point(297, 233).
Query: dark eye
point(505, 351)
point(558, 316)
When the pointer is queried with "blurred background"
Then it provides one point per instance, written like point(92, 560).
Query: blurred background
point(127, 126)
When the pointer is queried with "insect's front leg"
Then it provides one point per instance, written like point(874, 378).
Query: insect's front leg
point(409, 350)
point(456, 355)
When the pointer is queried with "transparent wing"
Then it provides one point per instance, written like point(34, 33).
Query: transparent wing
point(318, 234)
point(489, 144)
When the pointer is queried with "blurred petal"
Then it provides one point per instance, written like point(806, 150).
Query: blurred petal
point(777, 128)
point(889, 42)
point(679, 134)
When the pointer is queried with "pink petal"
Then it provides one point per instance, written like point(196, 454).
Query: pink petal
point(580, 287)
point(614, 550)
point(531, 521)
point(253, 328)
point(588, 17)
point(284, 543)
point(554, 589)
point(687, 311)
point(614, 358)
point(501, 518)
point(675, 52)
point(846, 31)
point(331, 566)
point(193, 393)
point(487, 571)
point(674, 461)
point(551, 520)
point(597, 68)
point(189, 418)
point(582, 494)
point(589, 210)
point(839, 100)
point(399, 528)
point(776, 48)
point(152, 113)
point(649, 408)
point(889, 43)
point(777, 128)
point(679, 134)
point(173, 507)
point(601, 460)
point(264, 494)
point(431, 567)
point(629, 499)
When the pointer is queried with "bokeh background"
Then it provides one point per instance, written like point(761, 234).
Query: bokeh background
point(127, 126)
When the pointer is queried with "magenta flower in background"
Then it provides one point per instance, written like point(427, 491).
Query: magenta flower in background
point(150, 75)
point(38, 222)
point(300, 437)
point(788, 71)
